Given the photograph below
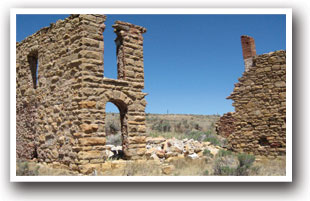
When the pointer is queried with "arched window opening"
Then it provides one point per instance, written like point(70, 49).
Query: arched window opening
point(110, 60)
point(34, 65)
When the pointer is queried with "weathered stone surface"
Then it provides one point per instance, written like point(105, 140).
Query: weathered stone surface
point(259, 120)
point(136, 140)
point(157, 140)
point(65, 108)
point(92, 141)
point(88, 128)
point(160, 153)
point(167, 169)
point(225, 125)
point(89, 168)
point(87, 104)
point(94, 154)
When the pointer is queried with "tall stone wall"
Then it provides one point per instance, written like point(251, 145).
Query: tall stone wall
point(260, 107)
point(61, 114)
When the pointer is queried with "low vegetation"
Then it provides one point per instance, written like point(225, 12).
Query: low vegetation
point(33, 168)
point(228, 163)
point(198, 127)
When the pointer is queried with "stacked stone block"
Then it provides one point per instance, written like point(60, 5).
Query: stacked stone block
point(225, 125)
point(61, 114)
point(260, 107)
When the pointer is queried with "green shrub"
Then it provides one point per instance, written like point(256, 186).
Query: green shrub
point(224, 153)
point(213, 140)
point(207, 152)
point(203, 136)
point(196, 135)
point(185, 123)
point(162, 126)
point(224, 171)
point(246, 160)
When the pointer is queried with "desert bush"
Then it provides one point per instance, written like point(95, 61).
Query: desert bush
point(112, 128)
point(224, 153)
point(208, 153)
point(245, 162)
point(196, 135)
point(228, 164)
point(197, 126)
point(225, 171)
point(185, 124)
point(213, 140)
point(115, 140)
point(162, 126)
point(168, 135)
point(178, 127)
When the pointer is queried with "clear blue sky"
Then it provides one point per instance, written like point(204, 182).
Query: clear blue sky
point(191, 61)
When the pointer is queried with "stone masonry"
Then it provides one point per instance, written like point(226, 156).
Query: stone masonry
point(225, 125)
point(61, 92)
point(260, 107)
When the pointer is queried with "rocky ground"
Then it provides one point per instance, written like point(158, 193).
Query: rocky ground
point(170, 157)
point(178, 145)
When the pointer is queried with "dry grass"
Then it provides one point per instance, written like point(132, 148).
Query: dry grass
point(32, 168)
point(269, 166)
point(189, 167)
point(130, 168)
point(182, 167)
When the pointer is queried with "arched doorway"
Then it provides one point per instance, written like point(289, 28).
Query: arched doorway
point(116, 126)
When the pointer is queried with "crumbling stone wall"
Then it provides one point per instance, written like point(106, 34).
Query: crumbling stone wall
point(61, 114)
point(260, 107)
point(225, 125)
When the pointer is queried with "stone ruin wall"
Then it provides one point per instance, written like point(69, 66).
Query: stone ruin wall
point(60, 117)
point(225, 125)
point(260, 107)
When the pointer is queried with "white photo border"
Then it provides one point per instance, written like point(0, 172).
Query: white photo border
point(262, 11)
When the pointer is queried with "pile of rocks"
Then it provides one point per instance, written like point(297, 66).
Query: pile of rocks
point(161, 149)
